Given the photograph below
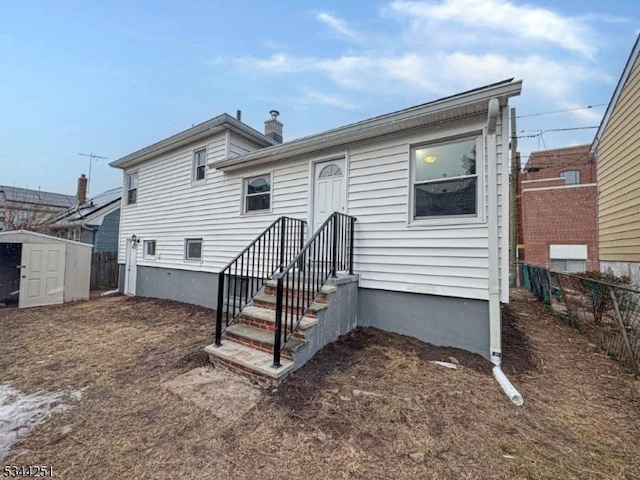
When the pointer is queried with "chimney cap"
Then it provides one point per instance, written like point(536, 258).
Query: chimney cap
point(274, 114)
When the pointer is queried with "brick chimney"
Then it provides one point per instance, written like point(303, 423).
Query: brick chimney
point(273, 128)
point(82, 189)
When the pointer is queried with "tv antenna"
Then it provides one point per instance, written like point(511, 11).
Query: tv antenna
point(92, 157)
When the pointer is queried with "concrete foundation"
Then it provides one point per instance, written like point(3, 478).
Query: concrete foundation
point(444, 321)
point(199, 288)
point(621, 269)
point(336, 320)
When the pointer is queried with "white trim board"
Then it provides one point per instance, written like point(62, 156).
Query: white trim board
point(560, 187)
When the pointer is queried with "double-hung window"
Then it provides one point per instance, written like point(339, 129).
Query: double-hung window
point(257, 194)
point(132, 188)
point(445, 179)
point(199, 165)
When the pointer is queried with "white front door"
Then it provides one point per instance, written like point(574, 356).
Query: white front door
point(42, 275)
point(328, 191)
point(131, 268)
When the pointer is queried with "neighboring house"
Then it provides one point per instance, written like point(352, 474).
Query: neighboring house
point(428, 186)
point(558, 210)
point(24, 209)
point(616, 147)
point(95, 221)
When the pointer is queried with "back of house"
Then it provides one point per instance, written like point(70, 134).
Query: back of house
point(426, 189)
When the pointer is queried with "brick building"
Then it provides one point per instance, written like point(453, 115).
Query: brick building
point(559, 210)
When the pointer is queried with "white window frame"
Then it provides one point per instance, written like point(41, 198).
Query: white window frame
point(562, 175)
point(243, 200)
point(186, 249)
point(145, 249)
point(479, 217)
point(128, 187)
point(195, 166)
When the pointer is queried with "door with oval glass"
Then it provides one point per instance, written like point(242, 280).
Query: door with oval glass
point(329, 195)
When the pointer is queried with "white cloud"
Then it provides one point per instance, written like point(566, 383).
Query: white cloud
point(337, 24)
point(440, 47)
point(592, 116)
point(491, 17)
point(440, 73)
point(313, 97)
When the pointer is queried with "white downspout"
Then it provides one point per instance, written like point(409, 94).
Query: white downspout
point(495, 327)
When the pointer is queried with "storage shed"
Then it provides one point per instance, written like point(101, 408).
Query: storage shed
point(43, 270)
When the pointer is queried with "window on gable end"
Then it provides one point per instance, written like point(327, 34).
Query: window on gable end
point(199, 165)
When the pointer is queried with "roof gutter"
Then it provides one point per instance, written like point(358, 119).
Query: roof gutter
point(372, 127)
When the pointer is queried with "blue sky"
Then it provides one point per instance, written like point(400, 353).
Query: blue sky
point(114, 76)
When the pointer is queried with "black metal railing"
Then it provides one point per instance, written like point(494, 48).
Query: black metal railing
point(328, 251)
point(246, 274)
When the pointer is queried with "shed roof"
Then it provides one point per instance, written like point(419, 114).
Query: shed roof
point(25, 236)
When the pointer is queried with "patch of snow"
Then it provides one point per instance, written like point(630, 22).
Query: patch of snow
point(20, 413)
point(76, 395)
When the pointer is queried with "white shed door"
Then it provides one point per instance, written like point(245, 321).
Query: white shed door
point(42, 275)
point(328, 191)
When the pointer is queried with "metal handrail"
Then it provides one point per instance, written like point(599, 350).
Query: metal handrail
point(329, 250)
point(247, 273)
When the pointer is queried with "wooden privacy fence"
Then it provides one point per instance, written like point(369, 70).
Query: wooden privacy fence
point(104, 269)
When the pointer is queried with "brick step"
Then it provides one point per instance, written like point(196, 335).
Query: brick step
point(270, 288)
point(270, 301)
point(261, 339)
point(265, 319)
point(248, 361)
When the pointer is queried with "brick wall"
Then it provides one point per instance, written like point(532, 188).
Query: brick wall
point(551, 163)
point(559, 216)
point(554, 214)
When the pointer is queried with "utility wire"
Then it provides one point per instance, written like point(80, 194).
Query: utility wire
point(562, 111)
point(540, 132)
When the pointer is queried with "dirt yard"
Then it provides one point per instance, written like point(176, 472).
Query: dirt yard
point(370, 406)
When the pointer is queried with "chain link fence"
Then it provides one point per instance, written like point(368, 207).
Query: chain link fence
point(604, 308)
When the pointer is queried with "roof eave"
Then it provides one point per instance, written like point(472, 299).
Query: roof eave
point(633, 56)
point(208, 128)
point(370, 128)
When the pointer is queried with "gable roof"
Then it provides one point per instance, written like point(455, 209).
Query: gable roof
point(471, 102)
point(633, 57)
point(215, 125)
point(98, 204)
point(35, 197)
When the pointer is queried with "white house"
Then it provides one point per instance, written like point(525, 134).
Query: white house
point(427, 186)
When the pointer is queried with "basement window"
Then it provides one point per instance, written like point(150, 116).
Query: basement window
point(257, 194)
point(149, 249)
point(199, 165)
point(193, 249)
point(445, 179)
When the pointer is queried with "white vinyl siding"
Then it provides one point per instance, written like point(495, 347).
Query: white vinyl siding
point(391, 253)
point(170, 210)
